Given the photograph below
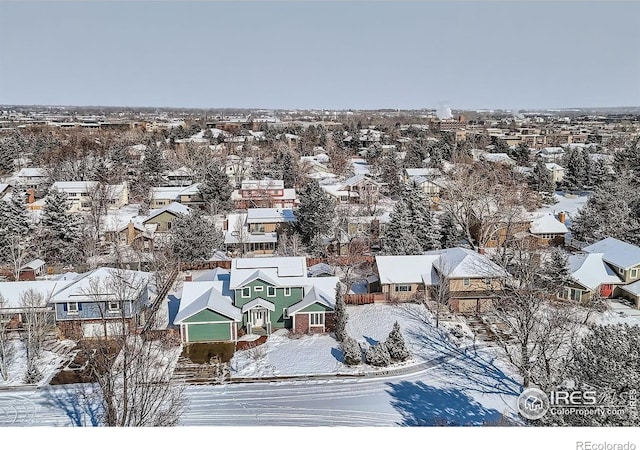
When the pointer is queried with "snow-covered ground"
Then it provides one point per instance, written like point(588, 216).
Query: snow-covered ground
point(48, 363)
point(568, 203)
point(282, 355)
point(618, 312)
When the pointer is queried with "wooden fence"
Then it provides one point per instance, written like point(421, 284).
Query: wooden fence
point(365, 299)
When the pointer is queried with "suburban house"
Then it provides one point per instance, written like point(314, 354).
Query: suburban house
point(13, 293)
point(238, 169)
point(557, 171)
point(590, 276)
point(239, 240)
point(81, 194)
point(182, 176)
point(163, 218)
point(547, 229)
point(101, 302)
point(267, 220)
point(135, 234)
point(163, 196)
point(263, 194)
point(256, 296)
point(357, 189)
point(471, 279)
point(31, 177)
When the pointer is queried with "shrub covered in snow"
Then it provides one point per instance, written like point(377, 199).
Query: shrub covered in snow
point(351, 351)
point(396, 346)
point(378, 355)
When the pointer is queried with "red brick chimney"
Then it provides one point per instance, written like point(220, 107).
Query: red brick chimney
point(32, 196)
point(562, 216)
point(481, 250)
point(188, 276)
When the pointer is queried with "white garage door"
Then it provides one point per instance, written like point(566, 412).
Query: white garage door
point(90, 330)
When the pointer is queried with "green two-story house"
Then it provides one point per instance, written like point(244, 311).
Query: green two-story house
point(256, 296)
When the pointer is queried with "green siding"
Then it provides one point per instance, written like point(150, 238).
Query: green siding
point(280, 301)
point(314, 307)
point(207, 315)
point(162, 220)
point(205, 332)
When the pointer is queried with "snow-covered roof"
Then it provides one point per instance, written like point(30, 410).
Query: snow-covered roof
point(547, 224)
point(315, 295)
point(34, 265)
point(423, 172)
point(173, 208)
point(11, 291)
point(553, 166)
point(258, 302)
point(460, 262)
point(99, 282)
point(200, 295)
point(616, 252)
point(589, 270)
point(4, 187)
point(173, 192)
point(354, 180)
point(231, 237)
point(281, 271)
point(320, 269)
point(31, 172)
point(497, 158)
point(269, 215)
point(405, 269)
point(633, 288)
point(262, 184)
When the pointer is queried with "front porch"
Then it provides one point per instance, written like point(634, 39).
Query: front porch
point(257, 316)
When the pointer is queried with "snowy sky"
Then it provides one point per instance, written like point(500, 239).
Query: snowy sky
point(303, 54)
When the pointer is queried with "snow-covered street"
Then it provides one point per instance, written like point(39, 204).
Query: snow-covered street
point(464, 387)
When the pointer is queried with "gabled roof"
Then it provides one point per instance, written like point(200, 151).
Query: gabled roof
point(31, 172)
point(633, 288)
point(198, 296)
point(258, 302)
point(590, 270)
point(464, 263)
point(356, 179)
point(172, 208)
point(315, 295)
point(257, 275)
point(282, 271)
point(616, 252)
point(34, 265)
point(547, 224)
point(270, 215)
point(406, 268)
point(97, 283)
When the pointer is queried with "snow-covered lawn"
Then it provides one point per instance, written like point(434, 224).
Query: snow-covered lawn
point(321, 354)
point(618, 312)
point(48, 364)
point(567, 203)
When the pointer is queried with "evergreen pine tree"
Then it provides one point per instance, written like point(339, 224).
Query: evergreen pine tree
point(543, 183)
point(153, 164)
point(351, 351)
point(216, 189)
point(424, 225)
point(555, 271)
point(378, 355)
point(341, 315)
point(450, 235)
point(61, 232)
point(399, 238)
point(194, 237)
point(576, 169)
point(315, 214)
point(396, 345)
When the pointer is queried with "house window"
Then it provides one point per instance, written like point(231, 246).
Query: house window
point(316, 319)
point(403, 288)
point(285, 313)
point(258, 288)
point(271, 291)
point(576, 294)
point(72, 308)
point(287, 292)
point(466, 282)
point(487, 283)
point(621, 271)
point(168, 225)
point(114, 306)
point(246, 292)
point(634, 273)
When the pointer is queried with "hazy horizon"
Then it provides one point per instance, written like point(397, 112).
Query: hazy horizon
point(476, 55)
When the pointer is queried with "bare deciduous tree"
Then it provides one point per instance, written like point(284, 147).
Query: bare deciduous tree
point(6, 345)
point(35, 326)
